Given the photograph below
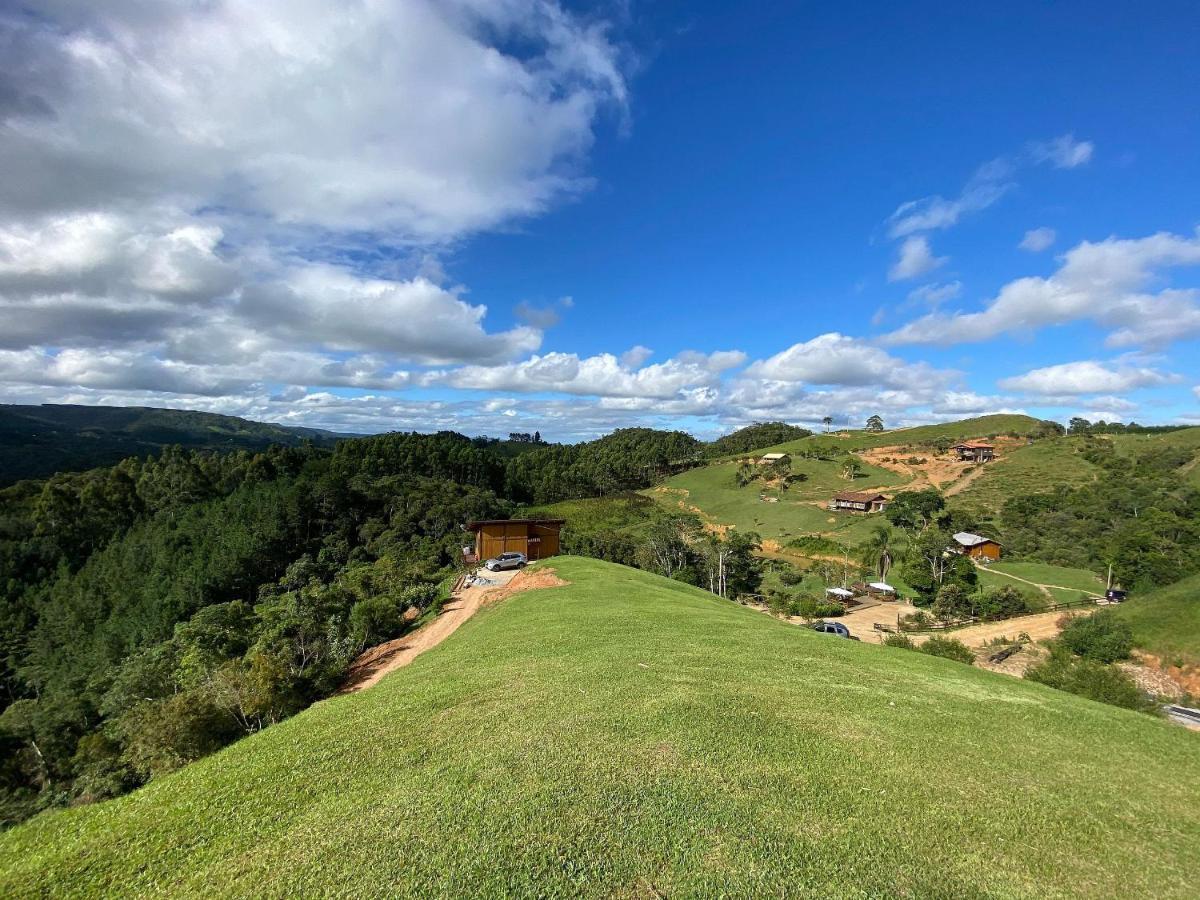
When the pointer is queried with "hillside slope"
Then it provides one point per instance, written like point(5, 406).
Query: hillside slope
point(36, 441)
point(632, 736)
point(1166, 622)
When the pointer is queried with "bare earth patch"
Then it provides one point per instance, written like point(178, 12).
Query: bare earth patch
point(378, 661)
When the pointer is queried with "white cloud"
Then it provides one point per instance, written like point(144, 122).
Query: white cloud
point(1106, 282)
point(403, 117)
point(636, 357)
point(989, 183)
point(914, 258)
point(1038, 239)
point(1062, 152)
point(936, 294)
point(836, 359)
point(603, 375)
point(1085, 377)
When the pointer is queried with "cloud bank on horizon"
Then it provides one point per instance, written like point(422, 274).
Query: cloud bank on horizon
point(255, 208)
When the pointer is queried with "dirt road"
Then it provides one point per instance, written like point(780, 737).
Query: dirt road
point(373, 664)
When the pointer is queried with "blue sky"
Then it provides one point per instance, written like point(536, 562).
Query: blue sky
point(502, 216)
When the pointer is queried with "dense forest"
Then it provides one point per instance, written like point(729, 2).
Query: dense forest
point(755, 437)
point(1140, 517)
point(38, 441)
point(155, 610)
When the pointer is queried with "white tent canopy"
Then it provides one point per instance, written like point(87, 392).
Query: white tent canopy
point(882, 586)
point(839, 592)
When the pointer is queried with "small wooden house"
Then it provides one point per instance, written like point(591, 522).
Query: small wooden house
point(770, 459)
point(858, 502)
point(978, 453)
point(536, 538)
point(976, 546)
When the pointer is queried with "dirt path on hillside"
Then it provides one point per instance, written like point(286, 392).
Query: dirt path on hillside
point(1044, 588)
point(965, 481)
point(378, 661)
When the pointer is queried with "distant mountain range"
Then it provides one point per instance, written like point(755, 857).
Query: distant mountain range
point(37, 441)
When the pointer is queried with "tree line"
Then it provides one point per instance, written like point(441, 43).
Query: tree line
point(155, 610)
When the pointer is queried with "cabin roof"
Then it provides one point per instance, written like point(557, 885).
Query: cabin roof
point(479, 523)
point(857, 497)
point(967, 539)
point(774, 456)
point(973, 447)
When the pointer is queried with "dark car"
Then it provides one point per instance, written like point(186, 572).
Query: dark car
point(834, 628)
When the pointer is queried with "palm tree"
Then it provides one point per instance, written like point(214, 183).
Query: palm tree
point(827, 421)
point(878, 552)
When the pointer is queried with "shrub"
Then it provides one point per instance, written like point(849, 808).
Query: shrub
point(818, 608)
point(917, 621)
point(1091, 679)
point(899, 640)
point(374, 620)
point(949, 648)
point(791, 577)
point(1101, 637)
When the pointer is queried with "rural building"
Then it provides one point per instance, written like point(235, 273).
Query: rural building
point(976, 546)
point(536, 538)
point(770, 458)
point(975, 452)
point(858, 502)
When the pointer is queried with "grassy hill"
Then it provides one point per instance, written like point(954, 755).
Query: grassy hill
point(964, 429)
point(1166, 622)
point(632, 736)
point(37, 441)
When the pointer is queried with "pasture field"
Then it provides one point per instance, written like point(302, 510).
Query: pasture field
point(1036, 469)
point(714, 491)
point(965, 429)
point(1166, 622)
point(626, 735)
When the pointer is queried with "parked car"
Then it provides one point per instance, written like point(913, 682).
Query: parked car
point(506, 561)
point(834, 628)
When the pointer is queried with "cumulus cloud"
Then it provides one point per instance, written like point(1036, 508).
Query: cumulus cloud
point(914, 258)
point(1062, 152)
point(403, 116)
point(1038, 239)
point(836, 359)
point(603, 375)
point(1108, 282)
point(1085, 377)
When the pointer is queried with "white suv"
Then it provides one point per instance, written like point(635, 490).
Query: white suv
point(506, 561)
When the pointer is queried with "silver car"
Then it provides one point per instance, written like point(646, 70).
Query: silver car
point(506, 561)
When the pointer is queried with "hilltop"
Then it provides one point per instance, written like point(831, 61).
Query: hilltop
point(630, 735)
point(37, 441)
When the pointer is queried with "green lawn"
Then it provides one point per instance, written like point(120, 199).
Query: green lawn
point(1078, 579)
point(714, 490)
point(1166, 622)
point(629, 736)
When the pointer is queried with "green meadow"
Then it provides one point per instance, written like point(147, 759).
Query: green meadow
point(1166, 622)
point(631, 736)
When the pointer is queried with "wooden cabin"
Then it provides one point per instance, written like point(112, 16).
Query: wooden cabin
point(536, 538)
point(770, 459)
point(978, 453)
point(858, 502)
point(976, 546)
